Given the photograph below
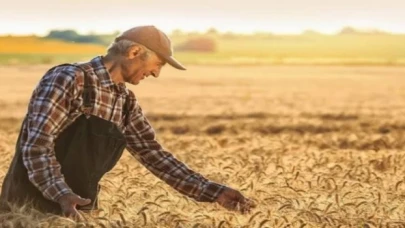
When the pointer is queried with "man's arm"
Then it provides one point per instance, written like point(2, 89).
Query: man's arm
point(48, 111)
point(142, 144)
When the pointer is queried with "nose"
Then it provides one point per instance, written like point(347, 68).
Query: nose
point(155, 73)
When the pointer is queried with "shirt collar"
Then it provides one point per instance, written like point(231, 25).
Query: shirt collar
point(101, 72)
point(104, 76)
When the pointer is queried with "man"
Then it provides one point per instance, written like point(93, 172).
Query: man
point(80, 119)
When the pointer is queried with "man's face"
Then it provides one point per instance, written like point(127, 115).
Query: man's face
point(140, 65)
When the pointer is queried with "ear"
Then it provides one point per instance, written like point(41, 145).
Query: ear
point(134, 51)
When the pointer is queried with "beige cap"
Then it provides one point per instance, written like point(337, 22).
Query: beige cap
point(154, 39)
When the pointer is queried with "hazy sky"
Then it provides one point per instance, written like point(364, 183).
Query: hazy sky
point(281, 16)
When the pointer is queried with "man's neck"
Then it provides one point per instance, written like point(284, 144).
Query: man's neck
point(114, 69)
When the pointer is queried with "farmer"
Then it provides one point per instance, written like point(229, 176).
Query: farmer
point(80, 119)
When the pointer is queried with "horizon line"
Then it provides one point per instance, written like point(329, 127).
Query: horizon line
point(212, 28)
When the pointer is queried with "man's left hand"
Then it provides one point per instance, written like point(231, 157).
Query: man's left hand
point(233, 200)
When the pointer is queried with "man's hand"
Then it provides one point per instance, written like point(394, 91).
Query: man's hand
point(68, 205)
point(233, 200)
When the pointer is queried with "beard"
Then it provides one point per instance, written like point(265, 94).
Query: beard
point(132, 74)
point(132, 71)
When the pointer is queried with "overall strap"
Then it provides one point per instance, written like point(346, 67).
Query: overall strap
point(60, 65)
point(126, 110)
point(87, 92)
point(87, 86)
point(87, 69)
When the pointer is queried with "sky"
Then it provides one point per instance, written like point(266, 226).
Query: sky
point(26, 17)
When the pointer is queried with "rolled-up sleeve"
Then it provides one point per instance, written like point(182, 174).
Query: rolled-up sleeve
point(142, 144)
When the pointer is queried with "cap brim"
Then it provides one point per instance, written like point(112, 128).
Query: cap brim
point(174, 63)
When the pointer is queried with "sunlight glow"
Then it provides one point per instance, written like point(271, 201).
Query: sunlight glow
point(289, 16)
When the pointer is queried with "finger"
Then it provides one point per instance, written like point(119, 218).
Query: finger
point(250, 205)
point(68, 212)
point(241, 201)
point(78, 217)
point(247, 206)
point(253, 204)
point(245, 210)
point(75, 215)
point(230, 205)
point(82, 202)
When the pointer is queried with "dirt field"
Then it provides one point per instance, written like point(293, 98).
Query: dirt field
point(313, 146)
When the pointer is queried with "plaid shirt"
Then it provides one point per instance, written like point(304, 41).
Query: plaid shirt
point(57, 102)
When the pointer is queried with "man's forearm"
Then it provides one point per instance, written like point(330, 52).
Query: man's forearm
point(210, 192)
point(176, 174)
point(44, 172)
point(142, 144)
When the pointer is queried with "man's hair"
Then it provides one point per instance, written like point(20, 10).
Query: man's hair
point(121, 48)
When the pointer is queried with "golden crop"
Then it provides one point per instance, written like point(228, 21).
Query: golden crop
point(313, 146)
point(36, 45)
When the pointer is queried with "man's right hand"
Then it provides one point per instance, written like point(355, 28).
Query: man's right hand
point(68, 205)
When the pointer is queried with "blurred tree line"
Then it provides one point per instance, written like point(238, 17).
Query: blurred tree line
point(200, 41)
point(72, 36)
point(195, 42)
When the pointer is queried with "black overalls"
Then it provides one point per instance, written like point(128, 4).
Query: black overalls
point(86, 150)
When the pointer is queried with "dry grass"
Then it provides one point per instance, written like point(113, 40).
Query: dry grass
point(314, 146)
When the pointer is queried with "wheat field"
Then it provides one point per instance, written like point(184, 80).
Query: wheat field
point(231, 49)
point(312, 146)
